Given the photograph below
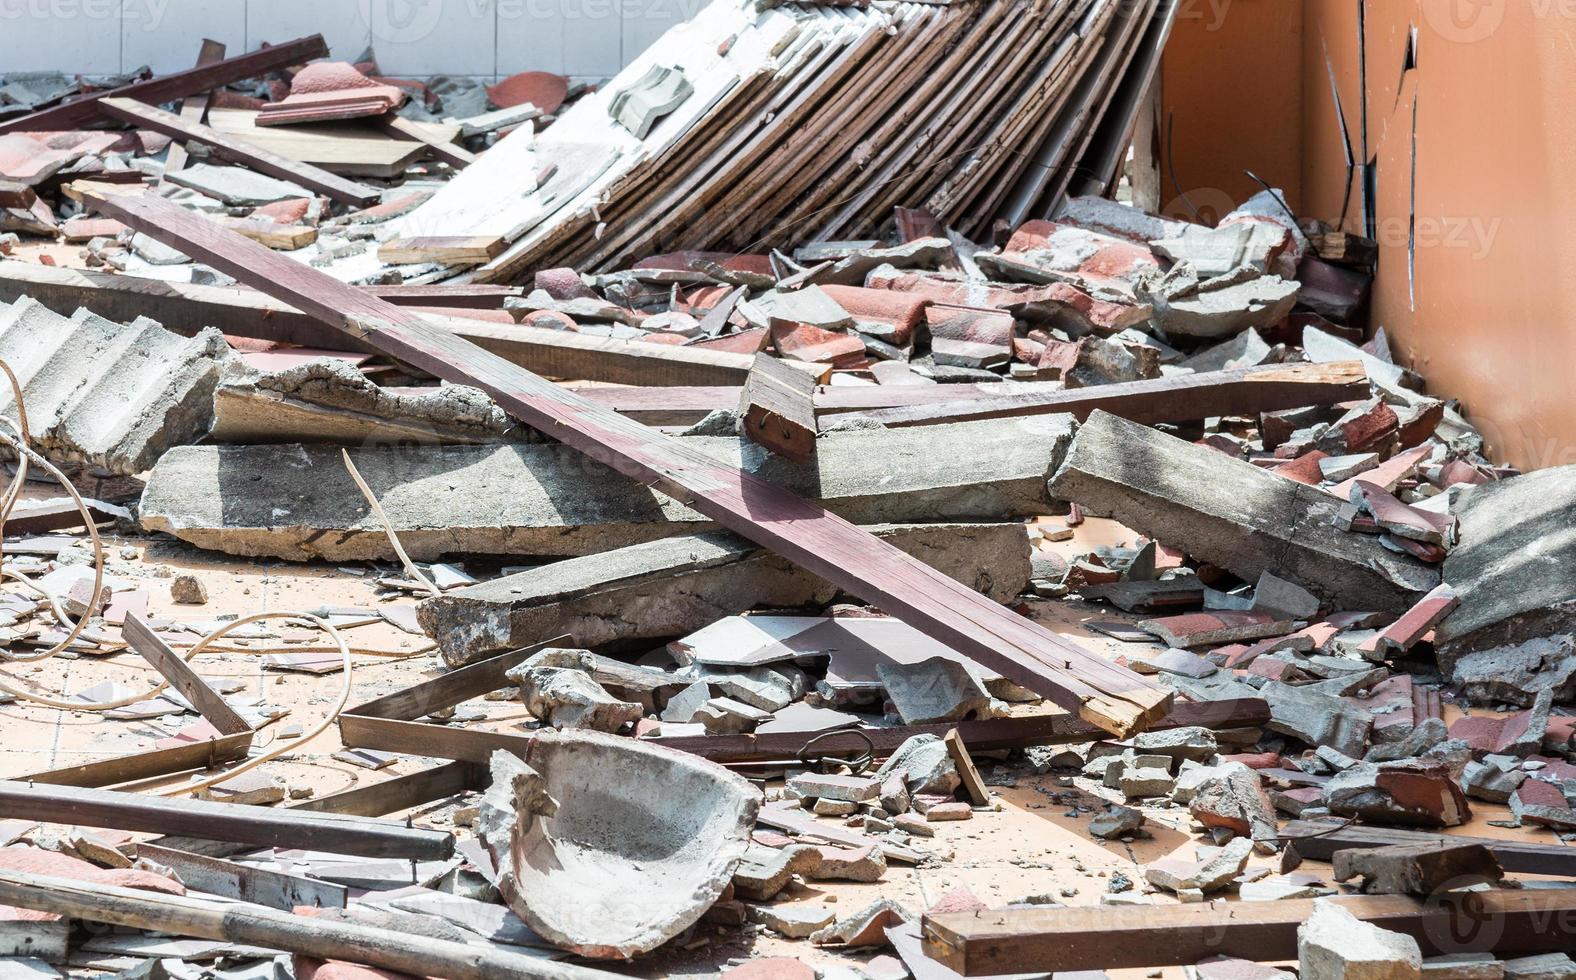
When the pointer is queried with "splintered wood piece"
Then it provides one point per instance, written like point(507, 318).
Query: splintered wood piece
point(238, 151)
point(973, 785)
point(449, 152)
point(777, 409)
point(76, 111)
point(804, 532)
point(179, 673)
point(450, 250)
point(193, 108)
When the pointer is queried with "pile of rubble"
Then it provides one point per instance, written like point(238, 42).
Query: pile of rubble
point(762, 575)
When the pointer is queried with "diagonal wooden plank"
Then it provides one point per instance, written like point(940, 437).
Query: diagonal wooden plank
point(194, 108)
point(235, 150)
point(1241, 391)
point(84, 109)
point(1112, 697)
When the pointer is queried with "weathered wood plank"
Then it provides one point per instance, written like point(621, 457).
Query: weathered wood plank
point(1107, 937)
point(221, 821)
point(1319, 840)
point(179, 673)
point(227, 879)
point(238, 151)
point(1113, 697)
point(777, 410)
point(193, 108)
point(1245, 391)
point(82, 109)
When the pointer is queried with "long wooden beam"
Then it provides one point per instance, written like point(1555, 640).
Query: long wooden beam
point(1113, 938)
point(258, 925)
point(83, 109)
point(1318, 840)
point(243, 312)
point(221, 821)
point(1118, 700)
point(1245, 391)
point(228, 147)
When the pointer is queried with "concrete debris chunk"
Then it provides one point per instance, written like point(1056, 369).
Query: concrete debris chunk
point(765, 871)
point(1335, 945)
point(608, 847)
point(1185, 743)
point(1463, 966)
point(1211, 873)
point(933, 690)
point(237, 186)
point(1118, 821)
point(1513, 533)
point(793, 921)
point(1232, 514)
point(557, 687)
point(114, 395)
point(1233, 798)
point(1230, 968)
point(1414, 792)
point(1418, 869)
point(676, 586)
point(866, 927)
point(297, 502)
point(1317, 718)
point(846, 789)
point(329, 400)
point(926, 766)
point(1517, 674)
point(1547, 966)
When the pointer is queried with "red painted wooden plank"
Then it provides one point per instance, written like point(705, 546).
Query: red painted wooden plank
point(228, 147)
point(194, 109)
point(1112, 697)
point(77, 111)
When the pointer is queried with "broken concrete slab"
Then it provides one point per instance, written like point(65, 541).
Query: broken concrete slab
point(1411, 792)
point(765, 871)
point(937, 689)
point(1232, 514)
point(613, 866)
point(1545, 966)
point(328, 400)
point(1518, 674)
point(114, 395)
point(236, 186)
point(926, 766)
point(1418, 869)
point(1336, 945)
point(675, 586)
point(1211, 873)
point(1514, 537)
point(557, 687)
point(297, 502)
point(1233, 798)
point(1318, 718)
point(1117, 822)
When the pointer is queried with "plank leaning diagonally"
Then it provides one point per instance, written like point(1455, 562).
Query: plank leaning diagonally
point(1109, 696)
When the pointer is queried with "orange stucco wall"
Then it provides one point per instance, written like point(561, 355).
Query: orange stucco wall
point(1488, 317)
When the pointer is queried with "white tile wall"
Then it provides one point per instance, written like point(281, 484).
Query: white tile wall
point(341, 22)
point(75, 36)
point(166, 34)
point(587, 39)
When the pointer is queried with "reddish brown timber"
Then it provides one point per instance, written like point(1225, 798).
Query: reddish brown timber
point(1244, 391)
point(227, 147)
point(83, 109)
point(1118, 700)
point(15, 194)
point(1107, 937)
point(1318, 840)
point(473, 296)
point(193, 109)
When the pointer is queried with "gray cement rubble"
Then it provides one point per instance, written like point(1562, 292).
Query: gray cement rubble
point(296, 502)
point(674, 586)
